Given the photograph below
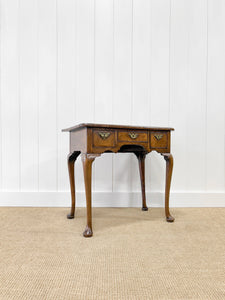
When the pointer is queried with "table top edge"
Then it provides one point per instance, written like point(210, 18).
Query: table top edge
point(114, 126)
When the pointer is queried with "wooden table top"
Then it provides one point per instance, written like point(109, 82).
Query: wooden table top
point(131, 127)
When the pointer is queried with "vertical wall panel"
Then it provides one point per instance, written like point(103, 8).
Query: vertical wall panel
point(48, 126)
point(141, 62)
point(159, 92)
point(28, 93)
point(160, 47)
point(215, 96)
point(196, 94)
point(85, 61)
point(85, 81)
point(103, 84)
point(66, 81)
point(141, 78)
point(179, 90)
point(10, 101)
point(122, 88)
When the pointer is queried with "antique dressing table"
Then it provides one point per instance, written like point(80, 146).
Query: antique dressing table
point(91, 140)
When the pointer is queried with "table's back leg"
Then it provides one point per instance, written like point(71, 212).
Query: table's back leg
point(141, 162)
point(169, 169)
point(87, 160)
point(71, 161)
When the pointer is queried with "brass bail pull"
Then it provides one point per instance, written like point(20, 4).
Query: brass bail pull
point(158, 136)
point(133, 135)
point(104, 135)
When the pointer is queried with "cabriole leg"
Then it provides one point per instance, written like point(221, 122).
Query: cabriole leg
point(71, 161)
point(169, 169)
point(141, 162)
point(87, 160)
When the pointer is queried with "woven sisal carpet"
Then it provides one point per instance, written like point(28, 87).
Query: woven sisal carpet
point(132, 255)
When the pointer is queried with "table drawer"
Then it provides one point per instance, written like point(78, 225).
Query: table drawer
point(103, 138)
point(132, 136)
point(159, 139)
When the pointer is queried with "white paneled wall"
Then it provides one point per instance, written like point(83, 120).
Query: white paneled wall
point(140, 62)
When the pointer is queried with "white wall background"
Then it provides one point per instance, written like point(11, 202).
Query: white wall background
point(144, 62)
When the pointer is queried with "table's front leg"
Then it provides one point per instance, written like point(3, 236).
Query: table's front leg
point(169, 169)
point(87, 160)
point(141, 162)
point(71, 158)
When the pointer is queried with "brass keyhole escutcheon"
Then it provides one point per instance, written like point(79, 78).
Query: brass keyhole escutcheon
point(133, 135)
point(158, 136)
point(104, 135)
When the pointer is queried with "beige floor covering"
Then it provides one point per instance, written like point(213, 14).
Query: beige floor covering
point(132, 255)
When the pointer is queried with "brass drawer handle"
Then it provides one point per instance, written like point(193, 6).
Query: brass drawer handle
point(158, 136)
point(133, 135)
point(104, 135)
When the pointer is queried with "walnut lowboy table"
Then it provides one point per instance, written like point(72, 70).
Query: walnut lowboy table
point(91, 140)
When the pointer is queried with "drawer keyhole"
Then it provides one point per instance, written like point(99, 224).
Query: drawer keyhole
point(133, 135)
point(158, 136)
point(104, 135)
